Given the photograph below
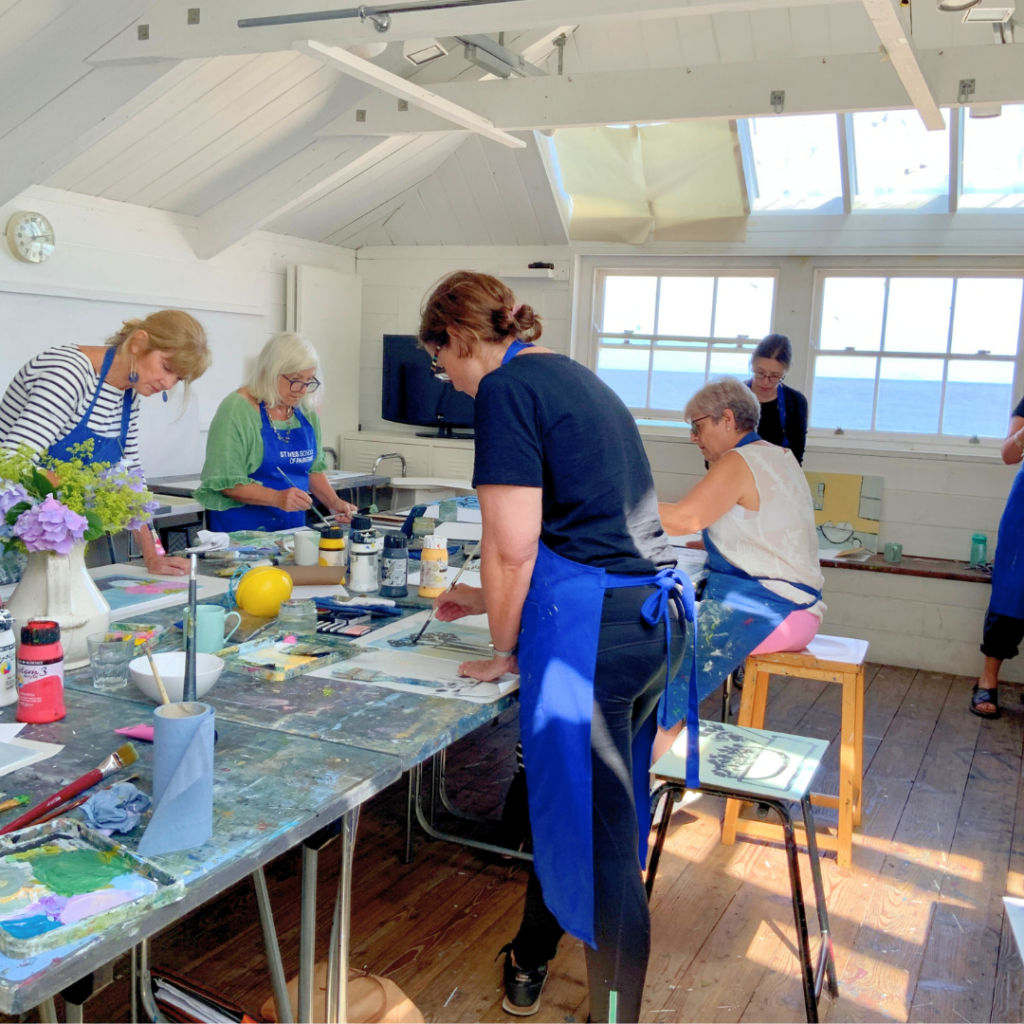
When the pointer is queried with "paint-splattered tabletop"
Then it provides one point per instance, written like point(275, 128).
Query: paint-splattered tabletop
point(272, 789)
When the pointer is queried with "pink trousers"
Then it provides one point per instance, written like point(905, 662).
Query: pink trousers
point(794, 633)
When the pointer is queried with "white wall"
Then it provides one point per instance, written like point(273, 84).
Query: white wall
point(396, 278)
point(114, 261)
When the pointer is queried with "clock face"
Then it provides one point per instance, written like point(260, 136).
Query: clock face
point(30, 236)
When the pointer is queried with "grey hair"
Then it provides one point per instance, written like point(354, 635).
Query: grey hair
point(284, 353)
point(725, 393)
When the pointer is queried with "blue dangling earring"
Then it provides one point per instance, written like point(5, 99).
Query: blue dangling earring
point(165, 396)
point(133, 375)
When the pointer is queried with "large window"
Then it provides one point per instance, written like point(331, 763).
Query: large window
point(660, 337)
point(994, 161)
point(916, 354)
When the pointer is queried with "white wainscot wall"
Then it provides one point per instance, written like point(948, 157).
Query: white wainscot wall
point(114, 261)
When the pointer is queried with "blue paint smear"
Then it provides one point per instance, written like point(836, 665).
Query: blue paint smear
point(30, 927)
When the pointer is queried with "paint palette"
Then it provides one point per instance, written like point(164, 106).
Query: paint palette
point(280, 656)
point(62, 881)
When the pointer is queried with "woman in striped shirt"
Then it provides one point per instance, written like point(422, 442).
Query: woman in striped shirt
point(70, 394)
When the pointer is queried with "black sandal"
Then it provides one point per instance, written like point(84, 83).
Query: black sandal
point(983, 696)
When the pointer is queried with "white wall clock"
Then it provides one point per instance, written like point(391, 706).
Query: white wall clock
point(30, 236)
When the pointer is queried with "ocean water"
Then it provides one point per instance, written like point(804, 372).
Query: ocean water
point(903, 406)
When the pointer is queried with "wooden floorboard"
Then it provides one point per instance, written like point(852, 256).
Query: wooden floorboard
point(917, 921)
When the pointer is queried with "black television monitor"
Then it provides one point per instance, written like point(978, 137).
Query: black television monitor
point(411, 394)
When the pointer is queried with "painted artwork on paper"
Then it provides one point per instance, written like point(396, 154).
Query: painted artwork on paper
point(127, 592)
point(449, 641)
point(847, 510)
point(60, 884)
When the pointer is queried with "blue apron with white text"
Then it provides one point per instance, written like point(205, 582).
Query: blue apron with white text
point(1008, 566)
point(104, 449)
point(735, 615)
point(558, 642)
point(291, 451)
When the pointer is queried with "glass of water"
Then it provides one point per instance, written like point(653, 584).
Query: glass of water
point(108, 660)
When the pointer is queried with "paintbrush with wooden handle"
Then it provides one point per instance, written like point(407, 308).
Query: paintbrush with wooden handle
point(312, 500)
point(451, 586)
point(120, 758)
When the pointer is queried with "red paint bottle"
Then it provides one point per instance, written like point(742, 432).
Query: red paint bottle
point(40, 673)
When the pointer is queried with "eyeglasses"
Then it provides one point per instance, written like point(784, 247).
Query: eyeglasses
point(694, 429)
point(298, 385)
point(769, 378)
point(435, 369)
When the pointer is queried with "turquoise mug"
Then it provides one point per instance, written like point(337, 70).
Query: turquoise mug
point(211, 622)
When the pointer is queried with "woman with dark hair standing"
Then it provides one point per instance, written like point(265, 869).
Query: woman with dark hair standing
point(579, 588)
point(783, 409)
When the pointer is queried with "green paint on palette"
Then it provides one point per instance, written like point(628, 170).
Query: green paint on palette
point(73, 872)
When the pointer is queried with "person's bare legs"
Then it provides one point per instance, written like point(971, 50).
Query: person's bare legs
point(989, 680)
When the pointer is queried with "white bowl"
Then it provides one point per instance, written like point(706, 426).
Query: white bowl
point(171, 666)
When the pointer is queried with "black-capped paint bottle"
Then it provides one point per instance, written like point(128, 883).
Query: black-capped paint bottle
point(394, 572)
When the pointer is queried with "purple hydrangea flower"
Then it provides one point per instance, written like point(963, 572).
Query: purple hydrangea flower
point(11, 494)
point(50, 526)
point(140, 521)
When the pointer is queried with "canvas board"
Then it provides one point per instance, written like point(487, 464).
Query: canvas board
point(131, 589)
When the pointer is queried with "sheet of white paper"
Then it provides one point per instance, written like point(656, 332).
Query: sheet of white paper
point(8, 730)
point(34, 751)
point(333, 590)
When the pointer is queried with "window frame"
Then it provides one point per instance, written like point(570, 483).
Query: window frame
point(647, 414)
point(899, 437)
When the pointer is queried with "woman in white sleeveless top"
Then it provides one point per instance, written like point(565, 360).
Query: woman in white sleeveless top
point(763, 590)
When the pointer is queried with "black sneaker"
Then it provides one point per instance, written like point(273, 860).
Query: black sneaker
point(522, 988)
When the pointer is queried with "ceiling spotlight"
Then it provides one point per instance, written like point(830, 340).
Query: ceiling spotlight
point(422, 51)
point(986, 110)
point(954, 6)
point(367, 50)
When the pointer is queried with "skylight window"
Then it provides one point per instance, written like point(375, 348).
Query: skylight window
point(898, 163)
point(993, 175)
point(793, 163)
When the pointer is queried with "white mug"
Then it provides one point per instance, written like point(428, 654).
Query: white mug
point(307, 547)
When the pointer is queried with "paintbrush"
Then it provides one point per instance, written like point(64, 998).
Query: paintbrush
point(450, 586)
point(75, 804)
point(121, 758)
point(156, 675)
point(312, 502)
point(18, 801)
point(188, 692)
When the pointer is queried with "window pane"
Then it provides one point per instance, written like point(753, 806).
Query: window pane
point(796, 161)
point(624, 370)
point(851, 315)
point(730, 363)
point(685, 306)
point(844, 392)
point(629, 304)
point(677, 375)
point(899, 163)
point(917, 319)
point(987, 315)
point(909, 393)
point(994, 160)
point(978, 398)
point(744, 307)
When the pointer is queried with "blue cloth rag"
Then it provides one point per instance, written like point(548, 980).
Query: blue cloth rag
point(118, 808)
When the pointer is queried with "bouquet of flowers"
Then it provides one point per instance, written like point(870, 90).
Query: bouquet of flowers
point(48, 504)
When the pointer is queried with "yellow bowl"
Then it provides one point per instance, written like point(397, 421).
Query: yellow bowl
point(261, 591)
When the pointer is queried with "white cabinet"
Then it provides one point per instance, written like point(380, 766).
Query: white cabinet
point(447, 460)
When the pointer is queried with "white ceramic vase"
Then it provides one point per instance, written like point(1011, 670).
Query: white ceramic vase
point(59, 587)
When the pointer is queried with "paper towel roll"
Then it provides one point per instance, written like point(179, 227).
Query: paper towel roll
point(182, 778)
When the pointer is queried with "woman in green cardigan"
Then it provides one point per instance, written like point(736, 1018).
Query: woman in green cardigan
point(264, 454)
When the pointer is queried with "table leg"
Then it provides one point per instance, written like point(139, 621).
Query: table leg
point(75, 996)
point(847, 772)
point(47, 1011)
point(858, 740)
point(273, 950)
point(146, 985)
point(135, 984)
point(337, 1008)
point(409, 811)
point(307, 932)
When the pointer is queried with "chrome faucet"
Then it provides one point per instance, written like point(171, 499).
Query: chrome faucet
point(392, 455)
point(333, 452)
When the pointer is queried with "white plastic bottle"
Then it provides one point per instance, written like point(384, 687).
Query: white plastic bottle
point(8, 666)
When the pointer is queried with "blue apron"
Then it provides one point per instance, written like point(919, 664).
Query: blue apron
point(558, 642)
point(1008, 566)
point(781, 399)
point(292, 451)
point(104, 449)
point(736, 614)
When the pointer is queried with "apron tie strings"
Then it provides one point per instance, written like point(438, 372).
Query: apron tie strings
point(673, 585)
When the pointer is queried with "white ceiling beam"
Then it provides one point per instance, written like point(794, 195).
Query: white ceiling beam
point(896, 40)
point(813, 85)
point(170, 35)
point(415, 94)
point(296, 182)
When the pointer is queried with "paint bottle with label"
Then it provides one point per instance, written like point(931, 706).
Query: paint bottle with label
point(433, 566)
point(40, 673)
point(394, 572)
point(332, 547)
point(8, 665)
point(364, 556)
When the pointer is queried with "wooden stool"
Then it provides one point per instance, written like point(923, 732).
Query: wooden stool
point(833, 659)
